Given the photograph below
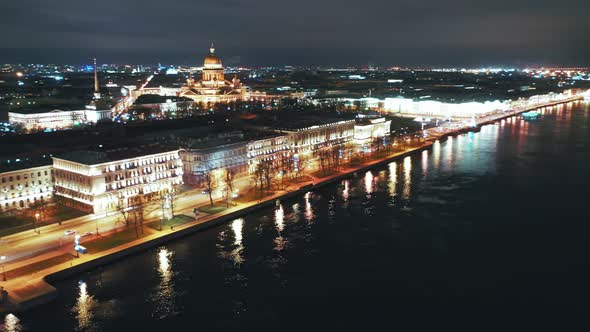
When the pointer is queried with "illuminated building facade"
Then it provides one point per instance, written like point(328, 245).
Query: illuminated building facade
point(98, 182)
point(227, 152)
point(267, 150)
point(213, 87)
point(20, 188)
point(308, 139)
point(435, 109)
point(367, 129)
point(55, 118)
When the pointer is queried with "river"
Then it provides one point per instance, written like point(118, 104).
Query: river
point(484, 227)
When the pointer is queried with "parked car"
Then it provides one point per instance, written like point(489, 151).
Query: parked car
point(70, 232)
point(86, 234)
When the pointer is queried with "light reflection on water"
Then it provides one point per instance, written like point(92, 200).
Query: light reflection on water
point(425, 162)
point(237, 227)
point(164, 299)
point(346, 193)
point(436, 154)
point(11, 324)
point(407, 178)
point(280, 218)
point(392, 179)
point(84, 308)
point(309, 214)
point(369, 183)
point(279, 241)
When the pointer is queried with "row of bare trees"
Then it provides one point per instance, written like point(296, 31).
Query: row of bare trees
point(211, 183)
point(134, 210)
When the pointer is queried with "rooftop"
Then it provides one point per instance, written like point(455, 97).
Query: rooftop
point(48, 108)
point(110, 154)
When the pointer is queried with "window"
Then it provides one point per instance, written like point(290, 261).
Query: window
point(10, 179)
point(3, 180)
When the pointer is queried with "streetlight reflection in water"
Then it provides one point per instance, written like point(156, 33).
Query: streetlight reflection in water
point(84, 307)
point(11, 324)
point(280, 242)
point(164, 298)
point(237, 227)
point(425, 162)
point(309, 215)
point(392, 179)
point(346, 190)
point(407, 178)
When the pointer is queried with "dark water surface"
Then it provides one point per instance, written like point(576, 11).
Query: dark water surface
point(485, 228)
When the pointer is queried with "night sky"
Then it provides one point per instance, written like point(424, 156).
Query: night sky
point(274, 32)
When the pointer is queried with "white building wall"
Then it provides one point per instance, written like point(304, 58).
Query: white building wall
point(98, 188)
point(20, 188)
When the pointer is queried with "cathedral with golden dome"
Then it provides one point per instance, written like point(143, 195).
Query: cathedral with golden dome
point(213, 87)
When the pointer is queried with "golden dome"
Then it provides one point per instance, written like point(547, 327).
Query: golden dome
point(212, 59)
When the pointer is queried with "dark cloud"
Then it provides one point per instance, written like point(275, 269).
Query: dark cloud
point(406, 32)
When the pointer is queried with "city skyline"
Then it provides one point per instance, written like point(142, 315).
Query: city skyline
point(457, 33)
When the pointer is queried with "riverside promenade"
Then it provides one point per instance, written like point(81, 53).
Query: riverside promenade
point(33, 288)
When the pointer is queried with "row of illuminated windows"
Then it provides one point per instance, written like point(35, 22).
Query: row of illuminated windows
point(140, 162)
point(19, 186)
point(26, 193)
point(25, 176)
point(65, 175)
point(23, 202)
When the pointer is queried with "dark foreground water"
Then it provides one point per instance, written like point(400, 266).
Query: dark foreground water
point(488, 228)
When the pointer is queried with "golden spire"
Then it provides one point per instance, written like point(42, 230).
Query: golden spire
point(96, 86)
point(212, 49)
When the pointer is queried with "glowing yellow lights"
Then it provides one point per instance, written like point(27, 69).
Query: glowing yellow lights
point(84, 307)
point(164, 262)
point(164, 297)
point(393, 179)
point(237, 226)
point(19, 74)
point(369, 182)
point(12, 324)
point(407, 178)
point(309, 215)
point(280, 218)
point(424, 161)
point(346, 190)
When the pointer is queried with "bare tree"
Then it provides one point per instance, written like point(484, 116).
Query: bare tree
point(170, 197)
point(259, 176)
point(323, 156)
point(335, 155)
point(229, 184)
point(124, 209)
point(286, 167)
point(301, 166)
point(209, 184)
point(268, 170)
point(376, 144)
